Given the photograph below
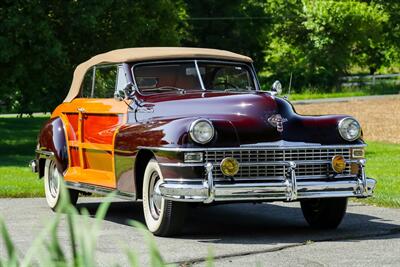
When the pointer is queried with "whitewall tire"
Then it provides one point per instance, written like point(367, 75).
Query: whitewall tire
point(52, 185)
point(163, 217)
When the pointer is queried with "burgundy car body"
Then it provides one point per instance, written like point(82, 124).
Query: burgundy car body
point(282, 155)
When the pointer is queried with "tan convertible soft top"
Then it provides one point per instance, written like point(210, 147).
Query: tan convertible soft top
point(147, 53)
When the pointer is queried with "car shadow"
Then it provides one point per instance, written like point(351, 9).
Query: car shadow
point(255, 223)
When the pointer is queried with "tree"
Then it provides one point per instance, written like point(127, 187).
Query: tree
point(318, 41)
point(41, 42)
point(389, 48)
point(235, 25)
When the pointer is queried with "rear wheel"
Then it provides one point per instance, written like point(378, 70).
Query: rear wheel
point(52, 186)
point(163, 217)
point(324, 213)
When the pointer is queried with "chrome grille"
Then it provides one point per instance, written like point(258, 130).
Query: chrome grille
point(303, 157)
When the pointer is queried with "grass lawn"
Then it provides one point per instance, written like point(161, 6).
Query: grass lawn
point(17, 146)
point(18, 141)
point(314, 95)
point(383, 164)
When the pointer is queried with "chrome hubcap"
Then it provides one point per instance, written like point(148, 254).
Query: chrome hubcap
point(54, 179)
point(155, 195)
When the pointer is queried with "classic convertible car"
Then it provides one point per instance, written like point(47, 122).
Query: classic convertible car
point(178, 126)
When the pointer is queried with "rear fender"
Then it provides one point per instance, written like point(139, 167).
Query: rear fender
point(52, 144)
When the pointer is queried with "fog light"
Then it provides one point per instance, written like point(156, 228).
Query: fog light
point(338, 164)
point(229, 166)
point(193, 157)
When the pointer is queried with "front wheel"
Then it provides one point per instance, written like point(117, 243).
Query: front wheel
point(52, 186)
point(163, 217)
point(324, 213)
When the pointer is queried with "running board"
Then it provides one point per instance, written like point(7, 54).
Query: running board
point(101, 190)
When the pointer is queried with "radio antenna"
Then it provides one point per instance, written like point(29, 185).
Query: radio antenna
point(290, 83)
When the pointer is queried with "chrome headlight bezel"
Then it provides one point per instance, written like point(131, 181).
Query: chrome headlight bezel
point(193, 132)
point(343, 127)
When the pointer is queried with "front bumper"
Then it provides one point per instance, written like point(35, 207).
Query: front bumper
point(208, 191)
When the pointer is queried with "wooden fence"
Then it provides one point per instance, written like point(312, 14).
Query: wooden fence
point(359, 80)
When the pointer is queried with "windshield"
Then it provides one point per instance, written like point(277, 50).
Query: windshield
point(184, 76)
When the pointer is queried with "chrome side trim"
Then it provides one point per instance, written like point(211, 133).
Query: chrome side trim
point(181, 164)
point(44, 153)
point(184, 149)
point(183, 180)
point(99, 190)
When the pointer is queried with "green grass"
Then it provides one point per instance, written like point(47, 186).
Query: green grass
point(18, 141)
point(17, 145)
point(315, 95)
point(383, 164)
point(378, 89)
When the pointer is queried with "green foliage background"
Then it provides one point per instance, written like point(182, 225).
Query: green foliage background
point(317, 41)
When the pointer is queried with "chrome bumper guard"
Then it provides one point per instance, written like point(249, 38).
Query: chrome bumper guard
point(33, 165)
point(208, 191)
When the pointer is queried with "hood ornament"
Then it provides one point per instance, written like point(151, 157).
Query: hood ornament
point(277, 121)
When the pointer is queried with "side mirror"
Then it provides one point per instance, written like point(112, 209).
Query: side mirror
point(119, 95)
point(124, 93)
point(276, 88)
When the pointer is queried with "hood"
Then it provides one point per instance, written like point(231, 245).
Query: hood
point(246, 113)
point(239, 120)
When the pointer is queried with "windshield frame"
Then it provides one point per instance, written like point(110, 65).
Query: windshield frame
point(195, 62)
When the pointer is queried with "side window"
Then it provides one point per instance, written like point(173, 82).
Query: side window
point(104, 83)
point(87, 84)
point(121, 80)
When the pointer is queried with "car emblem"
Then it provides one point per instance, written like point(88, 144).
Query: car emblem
point(277, 121)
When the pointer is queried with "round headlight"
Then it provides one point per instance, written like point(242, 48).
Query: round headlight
point(349, 129)
point(201, 131)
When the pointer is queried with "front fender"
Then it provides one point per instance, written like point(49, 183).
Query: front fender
point(311, 129)
point(172, 133)
point(136, 143)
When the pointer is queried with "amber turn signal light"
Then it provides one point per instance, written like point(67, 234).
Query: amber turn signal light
point(338, 164)
point(229, 166)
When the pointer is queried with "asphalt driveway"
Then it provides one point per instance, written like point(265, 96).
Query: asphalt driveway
point(237, 235)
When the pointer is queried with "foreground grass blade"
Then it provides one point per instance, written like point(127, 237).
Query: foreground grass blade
point(54, 248)
point(104, 206)
point(71, 231)
point(38, 243)
point(155, 255)
point(46, 250)
point(210, 257)
point(132, 258)
point(11, 251)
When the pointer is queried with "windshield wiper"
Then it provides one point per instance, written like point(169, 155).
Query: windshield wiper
point(237, 89)
point(167, 88)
